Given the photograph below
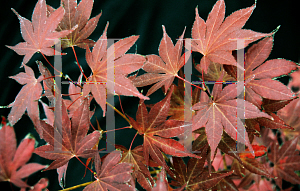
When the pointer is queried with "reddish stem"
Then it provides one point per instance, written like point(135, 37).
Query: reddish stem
point(85, 166)
point(70, 94)
point(50, 63)
point(189, 82)
point(50, 77)
point(78, 63)
point(92, 125)
point(73, 102)
point(121, 105)
point(118, 129)
point(132, 140)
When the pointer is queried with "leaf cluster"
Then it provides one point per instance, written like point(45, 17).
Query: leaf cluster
point(202, 138)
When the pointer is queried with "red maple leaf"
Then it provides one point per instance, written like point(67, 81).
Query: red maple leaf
point(286, 160)
point(136, 158)
point(13, 167)
point(111, 175)
point(77, 15)
point(216, 39)
point(194, 176)
point(28, 96)
point(157, 131)
point(258, 74)
point(68, 139)
point(110, 67)
point(223, 111)
point(39, 35)
point(162, 69)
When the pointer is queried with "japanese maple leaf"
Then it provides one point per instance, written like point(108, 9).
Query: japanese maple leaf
point(13, 167)
point(140, 170)
point(39, 35)
point(258, 75)
point(290, 115)
point(194, 176)
point(77, 16)
point(110, 67)
point(157, 131)
point(162, 69)
point(270, 107)
point(222, 111)
point(48, 83)
point(216, 39)
point(28, 96)
point(67, 138)
point(111, 175)
point(286, 160)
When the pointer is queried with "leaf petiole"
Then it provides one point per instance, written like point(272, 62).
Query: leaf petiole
point(118, 112)
point(77, 186)
point(78, 63)
point(189, 82)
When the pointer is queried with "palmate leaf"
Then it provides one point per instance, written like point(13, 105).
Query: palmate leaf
point(68, 138)
point(194, 176)
point(157, 132)
point(111, 175)
point(28, 96)
point(77, 15)
point(223, 111)
point(122, 64)
point(286, 160)
point(162, 69)
point(39, 35)
point(259, 74)
point(215, 38)
point(140, 170)
point(13, 167)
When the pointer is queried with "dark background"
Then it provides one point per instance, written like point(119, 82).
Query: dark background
point(126, 18)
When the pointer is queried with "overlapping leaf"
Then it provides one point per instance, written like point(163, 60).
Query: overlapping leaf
point(286, 160)
point(28, 96)
point(77, 16)
point(136, 158)
point(39, 35)
point(215, 38)
point(110, 67)
point(157, 131)
point(111, 175)
point(162, 69)
point(194, 176)
point(258, 75)
point(222, 111)
point(67, 139)
point(13, 167)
